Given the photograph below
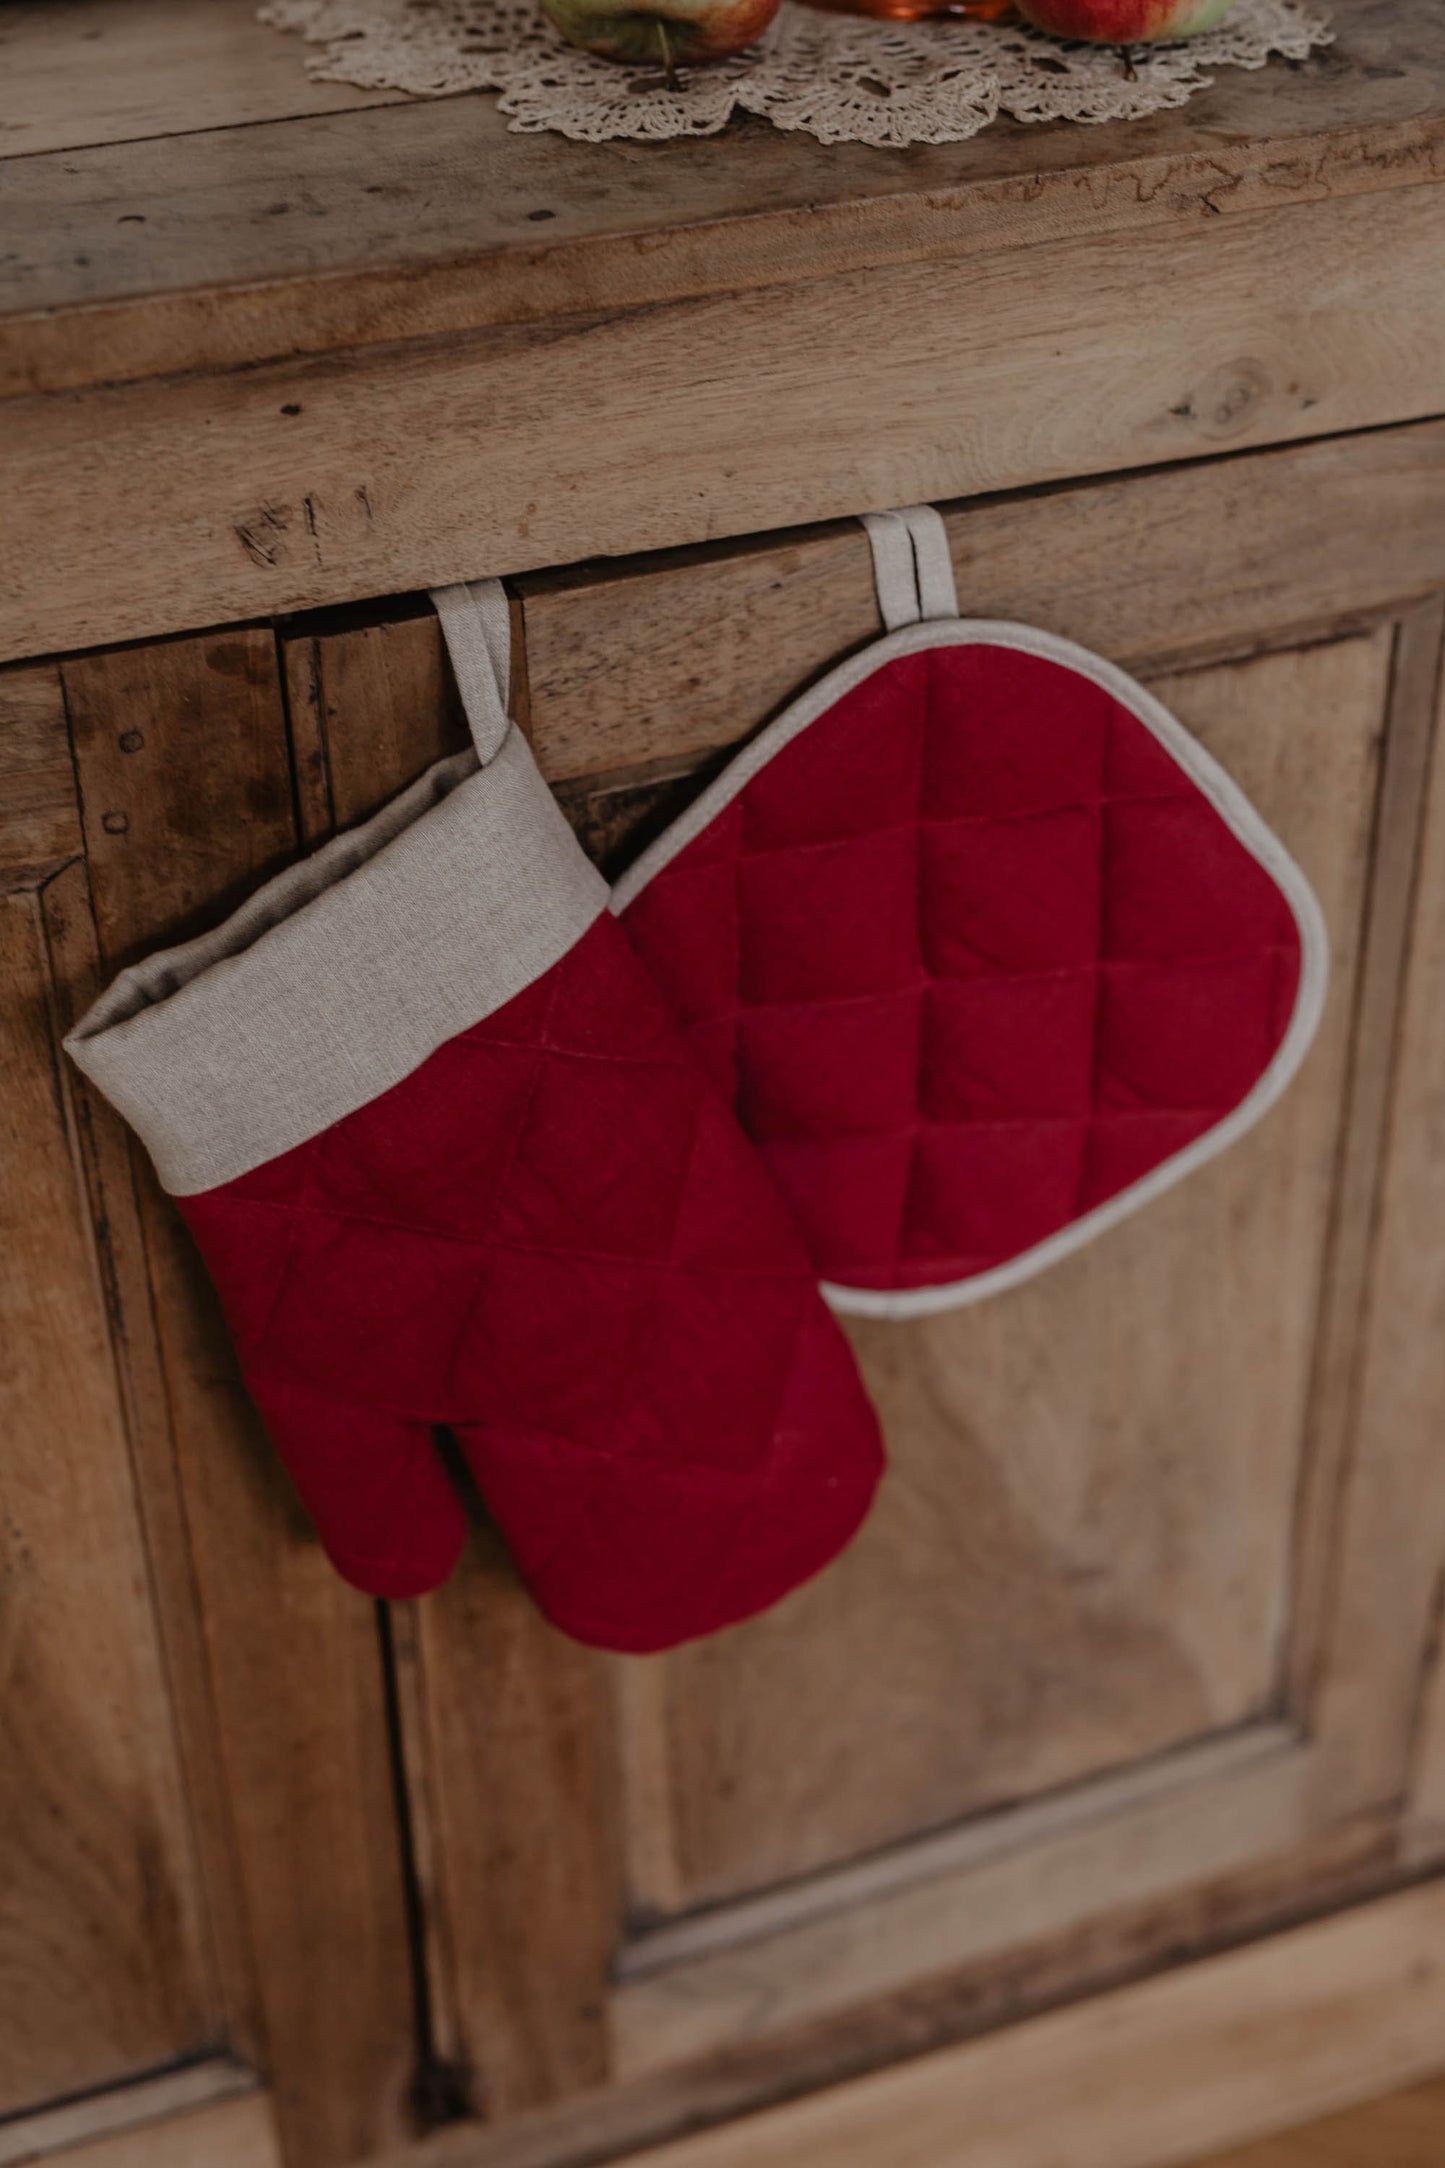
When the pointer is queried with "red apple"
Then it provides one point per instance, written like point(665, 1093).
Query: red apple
point(1124, 22)
point(665, 32)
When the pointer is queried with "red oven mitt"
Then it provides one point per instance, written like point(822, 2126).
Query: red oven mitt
point(986, 948)
point(451, 1162)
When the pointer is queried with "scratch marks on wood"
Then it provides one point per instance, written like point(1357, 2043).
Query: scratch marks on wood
point(265, 533)
point(262, 535)
point(309, 515)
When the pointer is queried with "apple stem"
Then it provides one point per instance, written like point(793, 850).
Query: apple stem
point(669, 71)
point(1131, 73)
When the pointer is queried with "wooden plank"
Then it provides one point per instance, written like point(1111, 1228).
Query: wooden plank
point(238, 2134)
point(510, 1821)
point(464, 458)
point(82, 72)
point(356, 229)
point(1406, 2130)
point(39, 826)
point(959, 1900)
point(621, 2119)
point(526, 1899)
point(1080, 1556)
point(170, 740)
point(1239, 2045)
point(103, 1964)
point(100, 2119)
point(1391, 1586)
point(1410, 727)
point(387, 708)
point(666, 659)
point(178, 828)
point(1258, 1762)
point(120, 1253)
point(1146, 2076)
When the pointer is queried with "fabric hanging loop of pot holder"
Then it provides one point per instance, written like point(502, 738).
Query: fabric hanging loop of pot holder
point(451, 1163)
point(987, 949)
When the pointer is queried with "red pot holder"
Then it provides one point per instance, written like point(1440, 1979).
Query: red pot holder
point(986, 947)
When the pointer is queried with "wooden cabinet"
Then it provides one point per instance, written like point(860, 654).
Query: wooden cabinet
point(1126, 1652)
point(1137, 1661)
point(1137, 1651)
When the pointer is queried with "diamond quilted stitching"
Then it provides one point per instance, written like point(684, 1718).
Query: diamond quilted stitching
point(1160, 1044)
point(726, 1219)
point(1076, 901)
point(397, 1302)
point(980, 1187)
point(830, 1068)
point(548, 1334)
point(1013, 895)
point(850, 1193)
point(249, 1275)
point(591, 988)
point(601, 1157)
point(1007, 1047)
point(383, 1161)
point(612, 1319)
point(711, 1316)
point(1010, 735)
point(834, 919)
point(695, 960)
point(857, 778)
point(1124, 1147)
point(1223, 906)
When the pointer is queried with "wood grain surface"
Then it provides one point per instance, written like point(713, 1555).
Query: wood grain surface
point(1390, 1583)
point(39, 825)
point(1149, 2077)
point(215, 2101)
point(238, 2134)
point(243, 232)
point(1405, 2130)
point(313, 482)
point(92, 1808)
point(186, 784)
point(78, 73)
point(104, 1163)
point(663, 660)
point(1152, 2075)
point(1327, 1493)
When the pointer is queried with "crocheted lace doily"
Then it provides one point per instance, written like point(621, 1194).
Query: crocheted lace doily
point(842, 78)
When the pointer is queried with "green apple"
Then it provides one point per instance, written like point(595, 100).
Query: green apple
point(1124, 22)
point(668, 33)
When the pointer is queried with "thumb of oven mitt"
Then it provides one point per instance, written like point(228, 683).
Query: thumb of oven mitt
point(451, 1163)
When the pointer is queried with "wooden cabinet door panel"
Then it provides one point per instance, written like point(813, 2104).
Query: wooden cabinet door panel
point(104, 1962)
point(185, 770)
point(1080, 1555)
point(1073, 1698)
point(1136, 1649)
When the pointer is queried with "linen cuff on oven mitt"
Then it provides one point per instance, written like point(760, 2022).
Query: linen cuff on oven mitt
point(450, 1162)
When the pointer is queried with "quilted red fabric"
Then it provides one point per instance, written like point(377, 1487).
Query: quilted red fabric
point(973, 954)
point(552, 1239)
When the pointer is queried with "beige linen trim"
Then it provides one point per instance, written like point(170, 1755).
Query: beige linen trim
point(343, 974)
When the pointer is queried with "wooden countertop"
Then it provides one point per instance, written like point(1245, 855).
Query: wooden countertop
point(267, 344)
point(175, 193)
